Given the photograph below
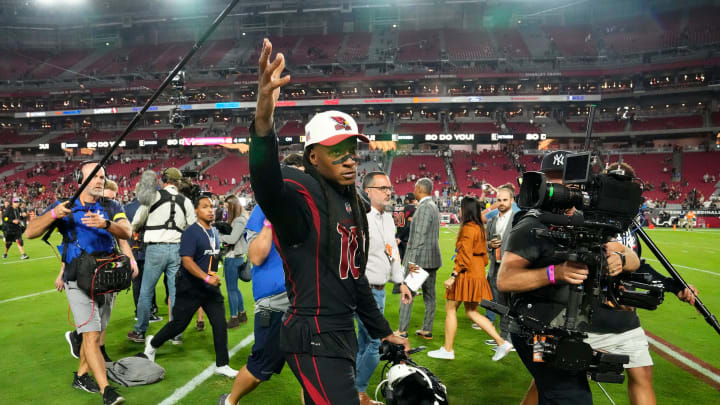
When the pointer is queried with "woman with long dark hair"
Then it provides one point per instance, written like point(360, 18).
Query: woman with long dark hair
point(235, 259)
point(467, 283)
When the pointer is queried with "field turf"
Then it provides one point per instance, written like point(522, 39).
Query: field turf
point(37, 367)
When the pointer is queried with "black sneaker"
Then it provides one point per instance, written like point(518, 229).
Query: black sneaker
point(155, 318)
point(111, 397)
point(85, 383)
point(75, 341)
point(137, 337)
point(4, 255)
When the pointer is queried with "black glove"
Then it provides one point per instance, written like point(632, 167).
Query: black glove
point(223, 227)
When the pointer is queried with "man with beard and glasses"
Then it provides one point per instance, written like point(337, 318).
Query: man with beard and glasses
point(321, 232)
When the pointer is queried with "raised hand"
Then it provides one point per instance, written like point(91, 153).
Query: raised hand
point(269, 83)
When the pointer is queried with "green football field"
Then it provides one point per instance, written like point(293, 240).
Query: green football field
point(37, 367)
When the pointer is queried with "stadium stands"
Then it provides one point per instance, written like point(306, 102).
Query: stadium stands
point(598, 126)
point(492, 167)
point(418, 45)
point(171, 56)
point(409, 165)
point(292, 128)
point(357, 46)
point(661, 123)
point(695, 165)
point(16, 65)
point(58, 64)
point(572, 40)
point(474, 127)
point(150, 133)
point(510, 43)
point(232, 166)
point(419, 128)
point(11, 137)
point(649, 168)
point(464, 45)
point(317, 49)
point(216, 50)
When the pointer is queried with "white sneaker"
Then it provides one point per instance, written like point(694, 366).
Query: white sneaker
point(149, 349)
point(491, 342)
point(441, 353)
point(226, 371)
point(476, 326)
point(502, 351)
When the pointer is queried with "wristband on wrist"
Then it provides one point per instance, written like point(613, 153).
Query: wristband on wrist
point(551, 273)
point(133, 262)
point(54, 215)
point(207, 279)
point(267, 224)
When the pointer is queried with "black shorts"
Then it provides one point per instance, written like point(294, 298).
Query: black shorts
point(265, 358)
point(13, 237)
point(555, 386)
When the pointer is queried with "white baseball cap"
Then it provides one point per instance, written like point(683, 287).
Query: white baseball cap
point(330, 128)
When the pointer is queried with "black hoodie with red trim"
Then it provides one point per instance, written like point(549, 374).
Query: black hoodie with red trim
point(325, 289)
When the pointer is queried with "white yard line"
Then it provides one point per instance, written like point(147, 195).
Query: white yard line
point(687, 267)
point(181, 392)
point(684, 360)
point(27, 260)
point(27, 296)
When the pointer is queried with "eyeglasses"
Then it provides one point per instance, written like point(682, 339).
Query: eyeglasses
point(384, 189)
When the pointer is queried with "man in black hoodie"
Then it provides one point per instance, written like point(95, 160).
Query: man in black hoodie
point(320, 230)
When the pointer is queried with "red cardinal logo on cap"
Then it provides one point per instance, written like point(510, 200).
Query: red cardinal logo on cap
point(341, 123)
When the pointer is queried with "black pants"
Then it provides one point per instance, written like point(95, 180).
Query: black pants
point(187, 303)
point(325, 380)
point(137, 283)
point(555, 387)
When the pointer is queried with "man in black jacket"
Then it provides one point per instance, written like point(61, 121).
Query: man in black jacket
point(320, 230)
point(14, 225)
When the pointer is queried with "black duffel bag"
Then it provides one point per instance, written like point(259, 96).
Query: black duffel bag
point(102, 274)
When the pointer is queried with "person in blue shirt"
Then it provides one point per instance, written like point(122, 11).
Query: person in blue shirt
point(88, 226)
point(271, 301)
point(197, 285)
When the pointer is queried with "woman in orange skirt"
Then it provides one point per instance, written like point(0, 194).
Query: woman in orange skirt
point(467, 283)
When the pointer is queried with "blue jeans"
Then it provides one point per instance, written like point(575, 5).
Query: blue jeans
point(235, 298)
point(159, 259)
point(368, 356)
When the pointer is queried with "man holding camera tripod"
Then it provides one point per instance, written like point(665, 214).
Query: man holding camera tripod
point(538, 281)
point(89, 226)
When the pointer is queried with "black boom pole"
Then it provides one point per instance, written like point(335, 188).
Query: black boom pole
point(709, 317)
point(147, 105)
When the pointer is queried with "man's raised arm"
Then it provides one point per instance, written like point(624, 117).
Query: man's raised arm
point(279, 202)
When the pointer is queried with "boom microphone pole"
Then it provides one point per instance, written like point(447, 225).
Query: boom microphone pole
point(709, 317)
point(147, 105)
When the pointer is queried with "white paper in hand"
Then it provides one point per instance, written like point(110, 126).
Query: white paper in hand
point(415, 280)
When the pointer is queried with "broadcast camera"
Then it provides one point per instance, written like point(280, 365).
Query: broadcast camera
point(608, 204)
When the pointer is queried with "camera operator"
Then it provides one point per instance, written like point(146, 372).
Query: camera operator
point(164, 215)
point(620, 331)
point(538, 281)
point(90, 226)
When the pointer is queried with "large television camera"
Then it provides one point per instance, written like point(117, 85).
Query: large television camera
point(607, 205)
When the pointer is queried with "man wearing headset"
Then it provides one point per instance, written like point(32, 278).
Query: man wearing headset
point(88, 226)
point(164, 214)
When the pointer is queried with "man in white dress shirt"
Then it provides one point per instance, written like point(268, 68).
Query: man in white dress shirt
point(383, 266)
